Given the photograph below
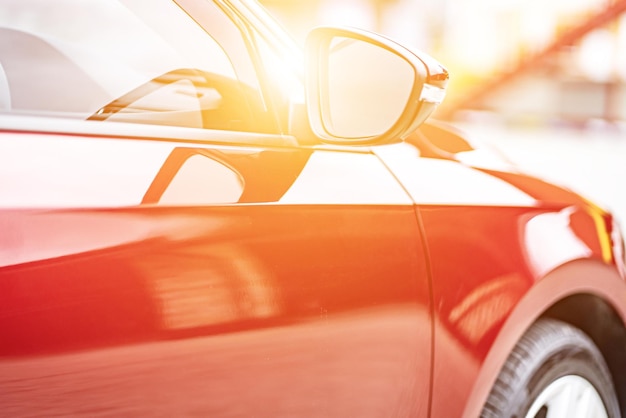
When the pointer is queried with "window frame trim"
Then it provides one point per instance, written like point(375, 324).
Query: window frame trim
point(122, 130)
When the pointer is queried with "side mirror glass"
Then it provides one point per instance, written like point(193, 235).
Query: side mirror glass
point(369, 101)
point(363, 88)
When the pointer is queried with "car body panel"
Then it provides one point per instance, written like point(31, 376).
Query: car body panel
point(154, 269)
point(275, 304)
point(479, 282)
point(494, 252)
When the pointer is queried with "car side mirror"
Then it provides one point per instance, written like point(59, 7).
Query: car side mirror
point(362, 88)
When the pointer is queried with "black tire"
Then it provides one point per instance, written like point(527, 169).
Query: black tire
point(550, 350)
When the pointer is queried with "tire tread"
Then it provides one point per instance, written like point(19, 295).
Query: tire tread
point(546, 341)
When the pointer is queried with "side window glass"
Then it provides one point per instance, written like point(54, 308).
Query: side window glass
point(202, 181)
point(127, 61)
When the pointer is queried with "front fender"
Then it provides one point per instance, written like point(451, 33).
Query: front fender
point(579, 277)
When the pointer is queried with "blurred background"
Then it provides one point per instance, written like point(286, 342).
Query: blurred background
point(544, 81)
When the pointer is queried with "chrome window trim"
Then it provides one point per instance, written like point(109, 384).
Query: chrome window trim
point(55, 125)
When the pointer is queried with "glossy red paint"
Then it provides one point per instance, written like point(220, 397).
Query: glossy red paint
point(488, 262)
point(297, 299)
point(216, 310)
point(484, 262)
point(224, 261)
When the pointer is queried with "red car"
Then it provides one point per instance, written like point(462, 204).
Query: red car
point(195, 223)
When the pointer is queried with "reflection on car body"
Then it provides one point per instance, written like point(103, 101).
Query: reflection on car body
point(183, 234)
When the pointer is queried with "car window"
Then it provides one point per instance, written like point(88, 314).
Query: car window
point(127, 61)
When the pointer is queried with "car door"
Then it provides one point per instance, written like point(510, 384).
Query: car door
point(188, 258)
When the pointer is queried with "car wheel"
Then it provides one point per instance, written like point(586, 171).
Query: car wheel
point(555, 370)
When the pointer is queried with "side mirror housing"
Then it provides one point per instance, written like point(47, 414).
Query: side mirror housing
point(362, 88)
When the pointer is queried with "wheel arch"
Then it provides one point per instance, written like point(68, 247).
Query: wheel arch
point(599, 320)
point(588, 294)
